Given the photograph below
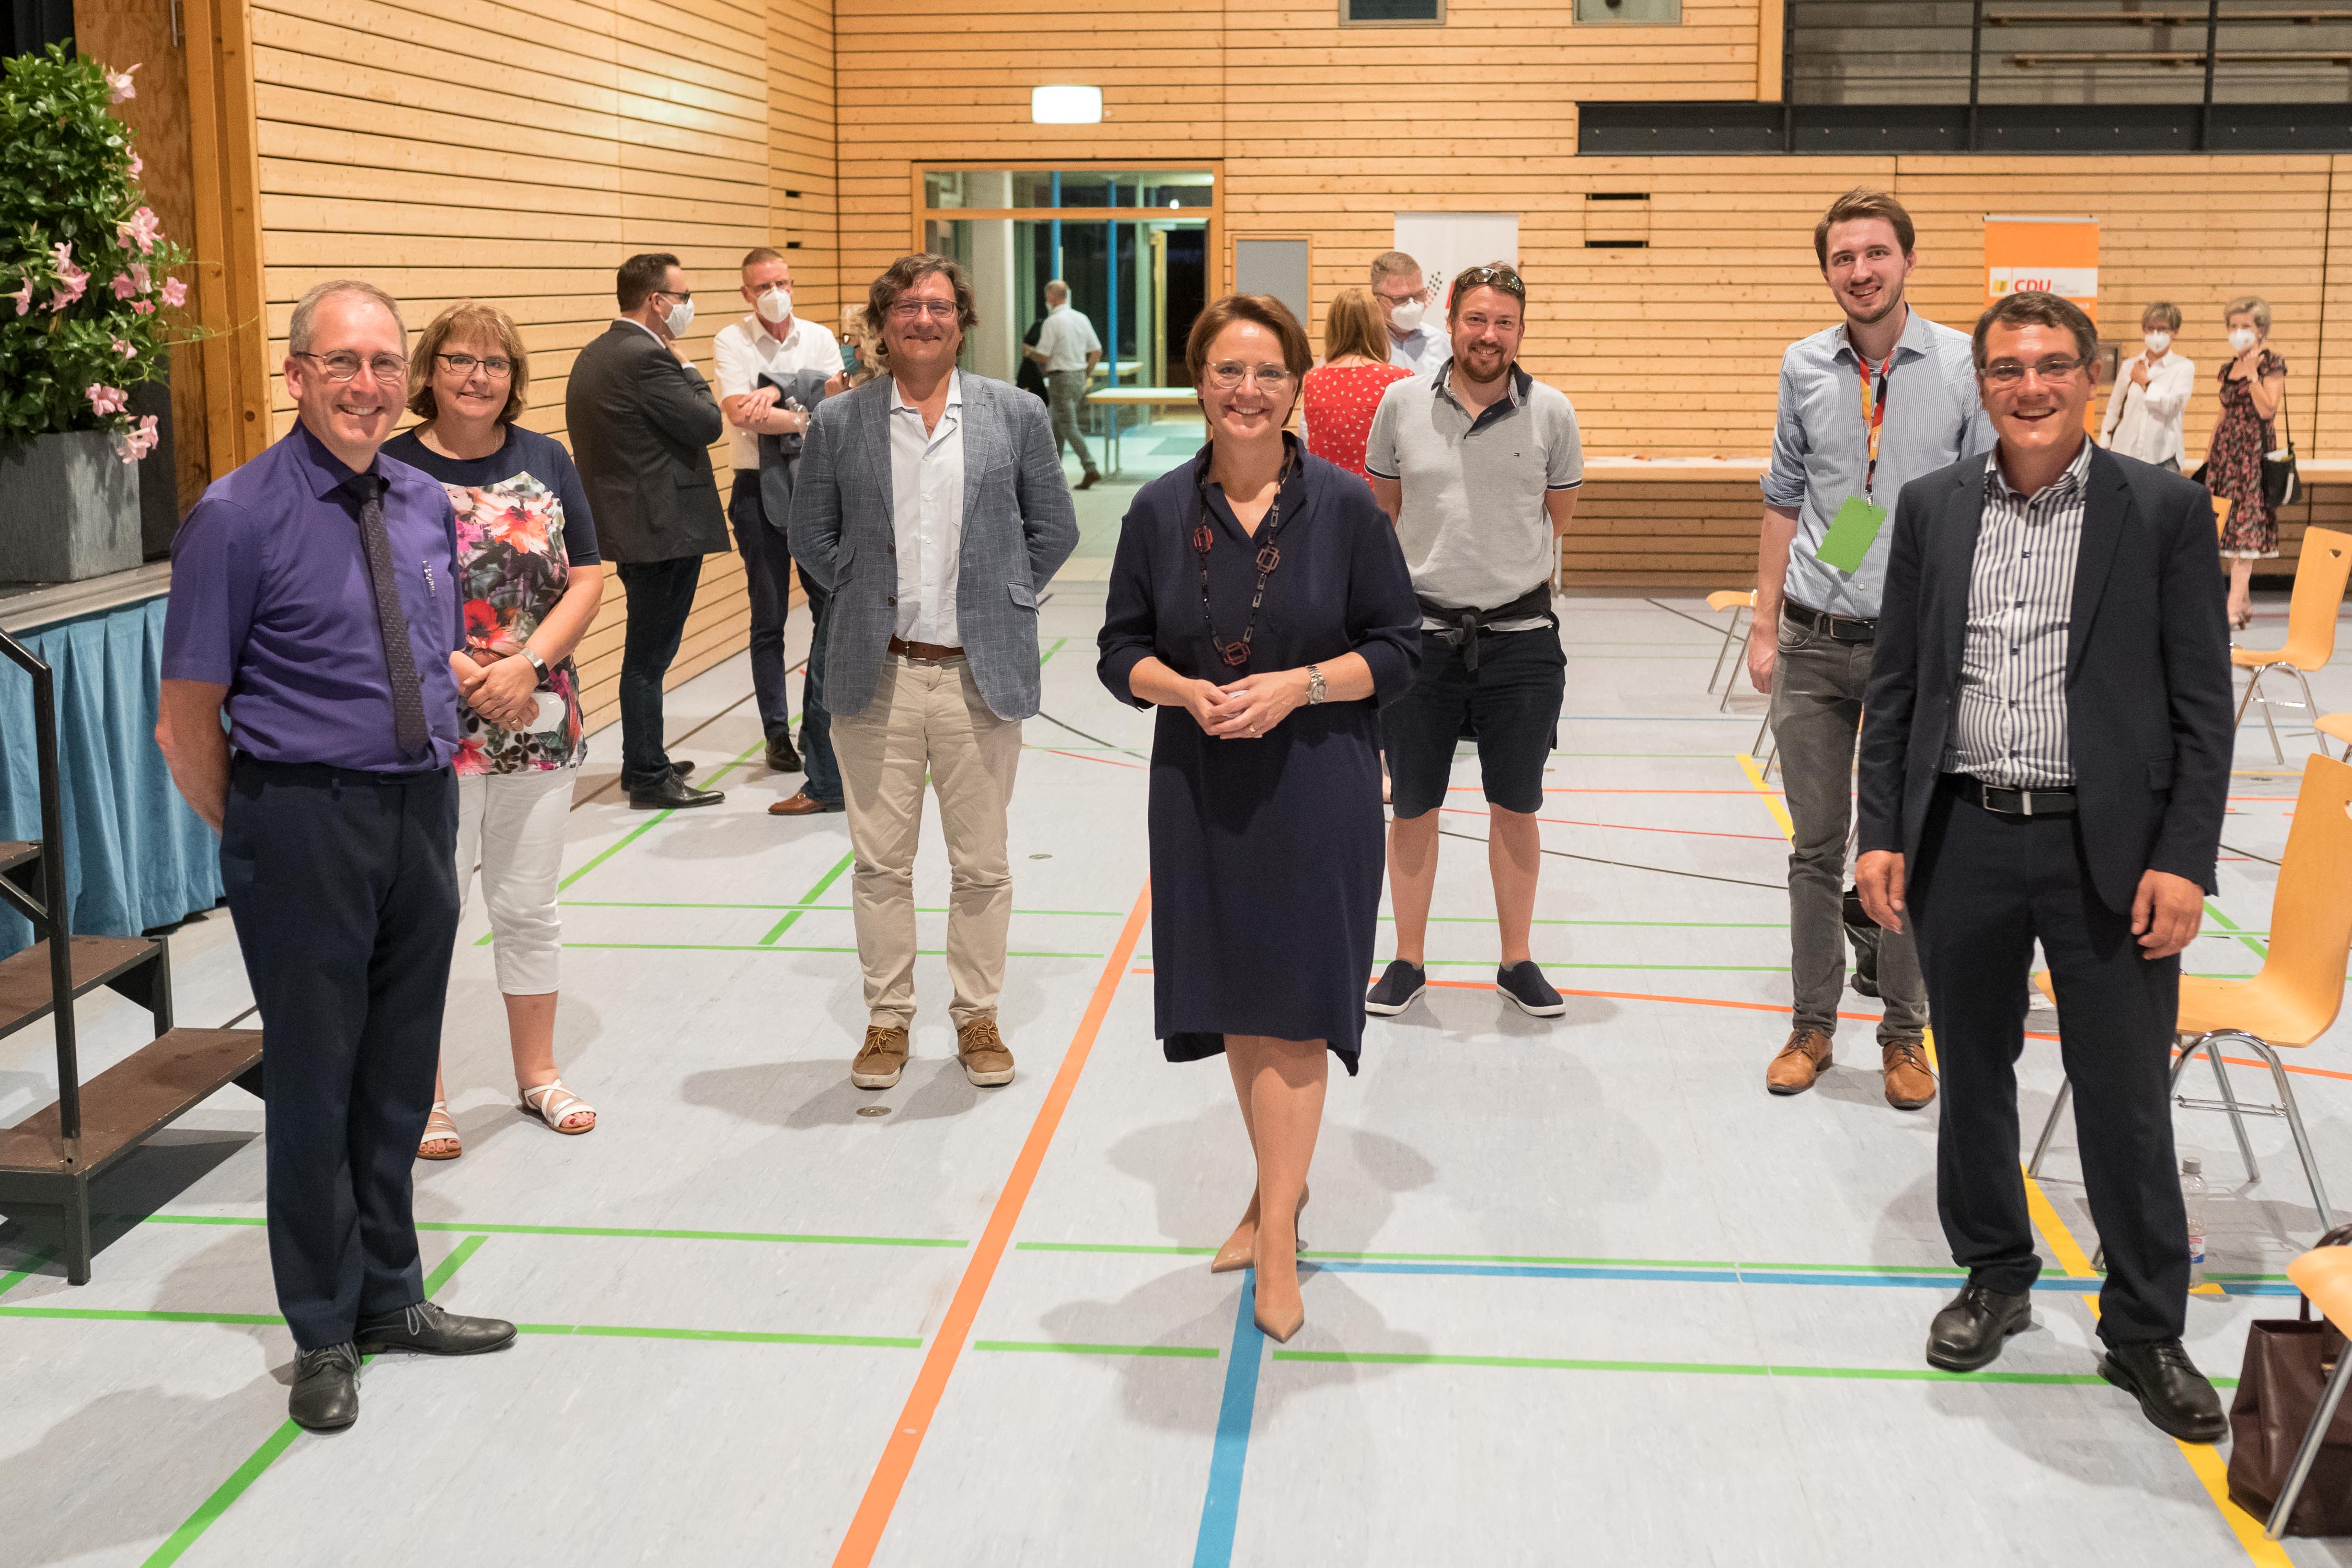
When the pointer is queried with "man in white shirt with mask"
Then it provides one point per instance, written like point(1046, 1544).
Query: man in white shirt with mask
point(1402, 298)
point(771, 339)
point(2152, 391)
point(1066, 350)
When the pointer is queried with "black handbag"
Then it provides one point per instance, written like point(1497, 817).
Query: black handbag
point(2282, 486)
point(2287, 1364)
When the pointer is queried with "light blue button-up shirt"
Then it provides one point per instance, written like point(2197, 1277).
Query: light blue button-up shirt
point(1424, 350)
point(1820, 447)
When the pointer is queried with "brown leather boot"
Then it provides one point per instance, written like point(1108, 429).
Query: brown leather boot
point(1800, 1062)
point(1909, 1083)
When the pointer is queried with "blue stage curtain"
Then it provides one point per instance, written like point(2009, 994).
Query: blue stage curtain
point(137, 857)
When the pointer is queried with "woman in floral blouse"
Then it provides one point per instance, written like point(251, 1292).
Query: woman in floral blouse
point(527, 550)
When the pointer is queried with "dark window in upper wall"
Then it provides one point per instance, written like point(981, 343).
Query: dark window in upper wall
point(1391, 13)
point(1649, 12)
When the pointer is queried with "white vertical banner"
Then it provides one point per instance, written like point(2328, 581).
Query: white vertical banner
point(1446, 244)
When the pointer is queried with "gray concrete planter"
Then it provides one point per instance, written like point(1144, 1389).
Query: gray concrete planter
point(68, 510)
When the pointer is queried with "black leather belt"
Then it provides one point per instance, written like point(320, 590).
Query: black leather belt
point(2012, 802)
point(1840, 628)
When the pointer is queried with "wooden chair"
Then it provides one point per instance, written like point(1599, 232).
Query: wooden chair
point(1741, 602)
point(2319, 576)
point(2300, 988)
point(2324, 1275)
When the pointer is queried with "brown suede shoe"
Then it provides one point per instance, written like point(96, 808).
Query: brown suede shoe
point(986, 1060)
point(1799, 1062)
point(1909, 1083)
point(880, 1059)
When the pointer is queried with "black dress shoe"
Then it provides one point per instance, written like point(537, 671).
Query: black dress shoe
point(1969, 1333)
point(428, 1330)
point(2172, 1394)
point(326, 1395)
point(681, 769)
point(674, 794)
point(782, 757)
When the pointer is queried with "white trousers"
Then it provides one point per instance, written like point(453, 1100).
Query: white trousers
point(510, 825)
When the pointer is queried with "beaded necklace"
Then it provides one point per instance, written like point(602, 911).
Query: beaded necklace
point(1204, 537)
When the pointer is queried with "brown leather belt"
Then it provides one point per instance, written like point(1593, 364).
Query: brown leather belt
point(932, 650)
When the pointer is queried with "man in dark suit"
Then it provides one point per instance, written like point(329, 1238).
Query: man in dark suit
point(641, 421)
point(2046, 754)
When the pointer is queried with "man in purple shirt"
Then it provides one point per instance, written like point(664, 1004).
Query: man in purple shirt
point(315, 601)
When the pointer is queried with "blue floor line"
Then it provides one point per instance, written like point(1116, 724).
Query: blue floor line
point(1221, 1508)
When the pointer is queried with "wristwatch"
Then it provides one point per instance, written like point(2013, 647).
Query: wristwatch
point(538, 664)
point(1313, 685)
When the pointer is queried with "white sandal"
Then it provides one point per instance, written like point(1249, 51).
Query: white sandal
point(553, 1105)
point(440, 1128)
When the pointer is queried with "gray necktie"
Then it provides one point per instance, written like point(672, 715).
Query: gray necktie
point(391, 620)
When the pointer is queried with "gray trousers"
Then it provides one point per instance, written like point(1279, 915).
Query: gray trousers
point(1817, 693)
point(1067, 396)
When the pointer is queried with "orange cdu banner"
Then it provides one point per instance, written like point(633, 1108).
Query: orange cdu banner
point(2055, 255)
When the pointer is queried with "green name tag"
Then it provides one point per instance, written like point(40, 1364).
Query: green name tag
point(1851, 535)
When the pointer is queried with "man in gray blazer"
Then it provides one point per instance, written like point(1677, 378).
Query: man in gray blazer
point(642, 420)
point(931, 507)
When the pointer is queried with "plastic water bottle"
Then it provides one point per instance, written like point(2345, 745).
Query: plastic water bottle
point(2192, 1198)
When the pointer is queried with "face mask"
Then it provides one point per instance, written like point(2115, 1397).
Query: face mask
point(1407, 316)
point(776, 304)
point(2157, 342)
point(681, 316)
point(849, 356)
point(2243, 338)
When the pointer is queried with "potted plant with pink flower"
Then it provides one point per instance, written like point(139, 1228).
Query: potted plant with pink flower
point(88, 308)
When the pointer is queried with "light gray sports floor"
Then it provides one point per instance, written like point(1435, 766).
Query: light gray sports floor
point(1582, 1291)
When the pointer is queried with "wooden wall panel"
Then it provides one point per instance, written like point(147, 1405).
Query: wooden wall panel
point(447, 149)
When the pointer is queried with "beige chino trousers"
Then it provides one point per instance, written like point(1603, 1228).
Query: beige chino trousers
point(928, 718)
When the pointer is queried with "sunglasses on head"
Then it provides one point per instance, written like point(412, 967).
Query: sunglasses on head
point(1501, 278)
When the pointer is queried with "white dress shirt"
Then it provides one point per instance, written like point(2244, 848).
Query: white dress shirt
point(745, 351)
point(926, 506)
point(1423, 351)
point(1066, 338)
point(2144, 422)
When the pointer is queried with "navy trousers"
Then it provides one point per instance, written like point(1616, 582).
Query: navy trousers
point(343, 888)
point(661, 595)
point(768, 572)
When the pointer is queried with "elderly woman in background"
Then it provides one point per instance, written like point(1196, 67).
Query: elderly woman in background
point(2253, 390)
point(2152, 389)
point(861, 351)
point(1341, 394)
point(1260, 600)
point(531, 580)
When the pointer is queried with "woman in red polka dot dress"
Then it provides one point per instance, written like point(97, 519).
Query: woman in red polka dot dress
point(1339, 394)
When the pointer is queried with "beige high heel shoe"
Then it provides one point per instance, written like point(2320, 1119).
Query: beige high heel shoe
point(1280, 1322)
point(1240, 1248)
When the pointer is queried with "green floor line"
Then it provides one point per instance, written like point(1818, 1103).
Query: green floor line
point(655, 820)
point(784, 947)
point(838, 908)
point(33, 1263)
point(1701, 1368)
point(722, 1336)
point(228, 1491)
point(1717, 1264)
point(1049, 653)
point(624, 1233)
point(807, 899)
point(2230, 928)
point(1111, 1248)
point(1059, 1347)
point(125, 1315)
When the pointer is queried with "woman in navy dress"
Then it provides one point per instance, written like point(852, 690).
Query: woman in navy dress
point(1260, 600)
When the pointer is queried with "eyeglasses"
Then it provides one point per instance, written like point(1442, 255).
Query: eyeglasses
point(1501, 278)
point(1421, 294)
point(1231, 373)
point(497, 368)
point(908, 309)
point(2008, 373)
point(342, 366)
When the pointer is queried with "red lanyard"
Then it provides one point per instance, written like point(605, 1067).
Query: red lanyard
point(1873, 413)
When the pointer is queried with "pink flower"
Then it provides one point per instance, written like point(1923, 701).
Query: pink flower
point(24, 296)
point(137, 165)
point(143, 307)
point(141, 283)
point(126, 350)
point(119, 86)
point(104, 399)
point(175, 293)
point(122, 286)
point(71, 281)
point(137, 442)
point(143, 230)
point(61, 257)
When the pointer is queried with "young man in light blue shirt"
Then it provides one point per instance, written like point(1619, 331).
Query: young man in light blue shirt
point(1884, 397)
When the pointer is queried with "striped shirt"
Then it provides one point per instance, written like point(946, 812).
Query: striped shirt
point(2009, 728)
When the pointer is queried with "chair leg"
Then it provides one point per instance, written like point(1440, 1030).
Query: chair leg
point(2311, 711)
point(2294, 1125)
point(1729, 633)
point(2308, 1453)
point(1730, 640)
point(2049, 1128)
point(1756, 747)
point(2253, 683)
point(2212, 1049)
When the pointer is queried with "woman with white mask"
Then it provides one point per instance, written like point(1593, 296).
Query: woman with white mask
point(2253, 391)
point(2152, 390)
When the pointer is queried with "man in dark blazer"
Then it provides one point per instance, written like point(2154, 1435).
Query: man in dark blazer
point(2045, 753)
point(642, 420)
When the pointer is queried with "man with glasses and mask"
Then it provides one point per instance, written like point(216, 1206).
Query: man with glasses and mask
point(642, 420)
point(2046, 756)
point(1478, 465)
point(1866, 406)
point(774, 341)
point(1402, 298)
point(316, 604)
point(932, 506)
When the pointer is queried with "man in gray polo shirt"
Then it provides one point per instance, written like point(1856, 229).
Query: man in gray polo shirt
point(1477, 464)
point(1885, 396)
